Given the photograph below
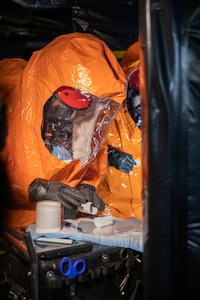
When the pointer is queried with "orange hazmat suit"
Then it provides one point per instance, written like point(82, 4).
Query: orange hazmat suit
point(77, 60)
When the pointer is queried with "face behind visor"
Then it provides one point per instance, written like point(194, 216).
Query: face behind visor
point(58, 114)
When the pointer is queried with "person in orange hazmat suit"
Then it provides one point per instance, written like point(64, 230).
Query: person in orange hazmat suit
point(121, 189)
point(72, 87)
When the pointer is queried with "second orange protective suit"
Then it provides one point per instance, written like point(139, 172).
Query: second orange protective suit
point(122, 192)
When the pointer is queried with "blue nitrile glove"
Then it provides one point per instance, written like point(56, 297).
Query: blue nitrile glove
point(41, 189)
point(120, 160)
point(89, 192)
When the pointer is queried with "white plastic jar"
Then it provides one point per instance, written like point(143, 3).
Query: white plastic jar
point(48, 216)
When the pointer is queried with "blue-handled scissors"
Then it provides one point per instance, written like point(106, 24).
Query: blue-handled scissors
point(69, 269)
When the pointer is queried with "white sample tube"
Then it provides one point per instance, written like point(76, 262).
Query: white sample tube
point(88, 208)
point(48, 216)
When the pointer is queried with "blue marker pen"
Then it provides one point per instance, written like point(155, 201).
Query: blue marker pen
point(77, 228)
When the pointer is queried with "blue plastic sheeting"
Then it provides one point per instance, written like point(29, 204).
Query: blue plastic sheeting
point(126, 233)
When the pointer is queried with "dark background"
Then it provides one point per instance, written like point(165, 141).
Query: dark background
point(27, 25)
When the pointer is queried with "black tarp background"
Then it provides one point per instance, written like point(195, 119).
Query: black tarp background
point(24, 30)
point(170, 36)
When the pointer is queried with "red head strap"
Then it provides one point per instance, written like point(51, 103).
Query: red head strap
point(133, 79)
point(72, 97)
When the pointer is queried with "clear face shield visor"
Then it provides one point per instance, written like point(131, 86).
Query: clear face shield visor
point(61, 107)
point(75, 123)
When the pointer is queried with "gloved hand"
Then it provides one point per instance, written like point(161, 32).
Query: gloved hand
point(41, 189)
point(89, 192)
point(120, 160)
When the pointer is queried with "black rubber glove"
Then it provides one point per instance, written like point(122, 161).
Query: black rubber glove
point(41, 189)
point(89, 192)
point(120, 160)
